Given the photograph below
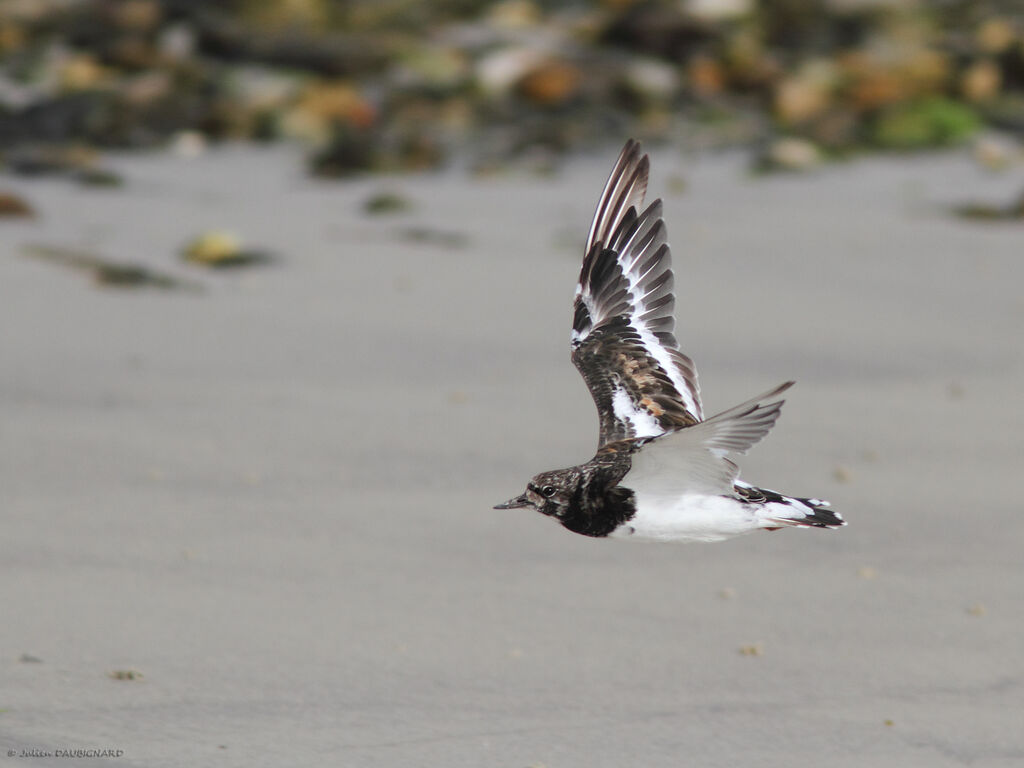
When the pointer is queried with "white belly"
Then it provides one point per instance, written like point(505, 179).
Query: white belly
point(690, 517)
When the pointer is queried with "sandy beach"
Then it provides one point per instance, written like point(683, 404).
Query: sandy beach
point(270, 499)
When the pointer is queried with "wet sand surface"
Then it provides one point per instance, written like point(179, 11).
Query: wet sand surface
point(272, 498)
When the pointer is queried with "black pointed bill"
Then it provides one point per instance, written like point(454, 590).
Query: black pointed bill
point(516, 503)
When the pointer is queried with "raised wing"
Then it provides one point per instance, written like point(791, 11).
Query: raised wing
point(694, 459)
point(622, 336)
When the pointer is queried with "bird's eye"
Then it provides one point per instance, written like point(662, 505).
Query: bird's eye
point(547, 491)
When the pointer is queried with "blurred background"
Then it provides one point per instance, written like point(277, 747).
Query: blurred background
point(369, 85)
point(285, 294)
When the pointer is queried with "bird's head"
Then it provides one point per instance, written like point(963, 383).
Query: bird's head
point(550, 493)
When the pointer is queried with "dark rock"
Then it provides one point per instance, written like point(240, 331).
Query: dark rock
point(13, 206)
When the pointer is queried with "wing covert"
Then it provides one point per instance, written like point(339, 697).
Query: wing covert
point(694, 459)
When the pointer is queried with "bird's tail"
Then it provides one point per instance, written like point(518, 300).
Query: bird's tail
point(777, 510)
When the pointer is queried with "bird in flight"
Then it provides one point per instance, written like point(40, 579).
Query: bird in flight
point(662, 471)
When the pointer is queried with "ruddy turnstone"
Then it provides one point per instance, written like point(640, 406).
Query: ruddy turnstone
point(662, 470)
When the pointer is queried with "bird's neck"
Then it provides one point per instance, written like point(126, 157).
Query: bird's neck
point(600, 504)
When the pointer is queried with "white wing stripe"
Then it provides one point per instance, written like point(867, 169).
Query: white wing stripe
point(644, 425)
point(661, 355)
point(638, 321)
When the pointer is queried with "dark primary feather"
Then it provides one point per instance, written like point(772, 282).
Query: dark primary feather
point(623, 317)
point(625, 189)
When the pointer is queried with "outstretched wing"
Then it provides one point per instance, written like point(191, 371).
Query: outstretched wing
point(622, 334)
point(695, 459)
